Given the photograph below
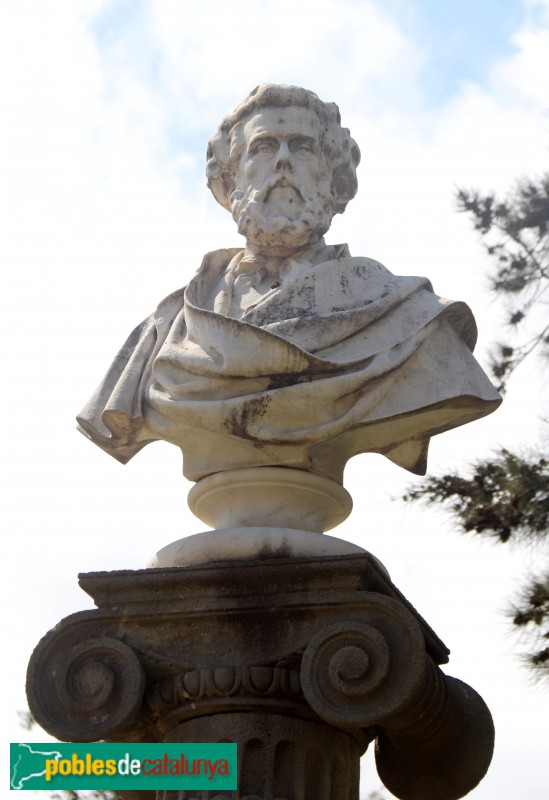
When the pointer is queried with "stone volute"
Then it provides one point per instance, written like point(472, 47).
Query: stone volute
point(275, 365)
point(302, 662)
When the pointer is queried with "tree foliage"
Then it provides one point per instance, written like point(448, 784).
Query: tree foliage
point(506, 497)
point(516, 236)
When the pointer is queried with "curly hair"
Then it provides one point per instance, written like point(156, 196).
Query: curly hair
point(336, 143)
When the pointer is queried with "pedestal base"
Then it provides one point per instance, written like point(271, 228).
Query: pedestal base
point(301, 661)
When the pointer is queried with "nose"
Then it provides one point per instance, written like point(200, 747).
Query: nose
point(284, 158)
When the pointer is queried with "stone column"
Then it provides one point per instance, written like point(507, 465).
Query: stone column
point(302, 662)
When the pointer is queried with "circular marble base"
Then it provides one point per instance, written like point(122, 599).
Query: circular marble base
point(237, 544)
point(270, 497)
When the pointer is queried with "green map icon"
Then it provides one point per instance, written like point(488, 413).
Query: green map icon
point(28, 762)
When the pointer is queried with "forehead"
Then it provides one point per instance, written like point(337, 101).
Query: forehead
point(293, 120)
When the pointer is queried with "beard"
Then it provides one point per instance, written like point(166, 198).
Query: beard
point(282, 213)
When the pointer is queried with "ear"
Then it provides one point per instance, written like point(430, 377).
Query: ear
point(220, 181)
point(344, 187)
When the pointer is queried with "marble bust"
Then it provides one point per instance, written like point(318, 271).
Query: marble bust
point(289, 352)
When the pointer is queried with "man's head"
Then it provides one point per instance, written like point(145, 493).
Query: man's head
point(283, 165)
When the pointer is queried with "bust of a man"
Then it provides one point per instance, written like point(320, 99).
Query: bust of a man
point(289, 352)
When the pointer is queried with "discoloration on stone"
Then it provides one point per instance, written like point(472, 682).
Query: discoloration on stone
point(324, 655)
point(241, 424)
point(238, 374)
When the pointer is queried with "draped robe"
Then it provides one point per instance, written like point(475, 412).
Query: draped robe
point(342, 358)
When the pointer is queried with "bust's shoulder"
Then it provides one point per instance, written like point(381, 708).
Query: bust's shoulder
point(342, 254)
point(366, 268)
point(371, 269)
point(219, 260)
point(365, 264)
point(213, 264)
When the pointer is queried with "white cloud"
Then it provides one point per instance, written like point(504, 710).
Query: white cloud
point(211, 55)
point(526, 73)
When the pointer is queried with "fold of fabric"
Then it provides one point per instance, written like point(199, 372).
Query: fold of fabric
point(342, 358)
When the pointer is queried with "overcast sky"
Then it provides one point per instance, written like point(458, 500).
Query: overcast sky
point(105, 112)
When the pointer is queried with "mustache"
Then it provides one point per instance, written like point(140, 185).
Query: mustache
point(280, 183)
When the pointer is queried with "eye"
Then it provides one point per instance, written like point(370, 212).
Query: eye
point(262, 146)
point(302, 146)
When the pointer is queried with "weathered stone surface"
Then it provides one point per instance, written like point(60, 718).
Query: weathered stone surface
point(289, 352)
point(273, 497)
point(288, 758)
point(275, 365)
point(237, 544)
point(284, 657)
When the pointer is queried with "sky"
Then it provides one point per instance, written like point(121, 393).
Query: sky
point(106, 110)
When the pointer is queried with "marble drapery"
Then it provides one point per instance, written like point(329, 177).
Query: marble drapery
point(341, 358)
